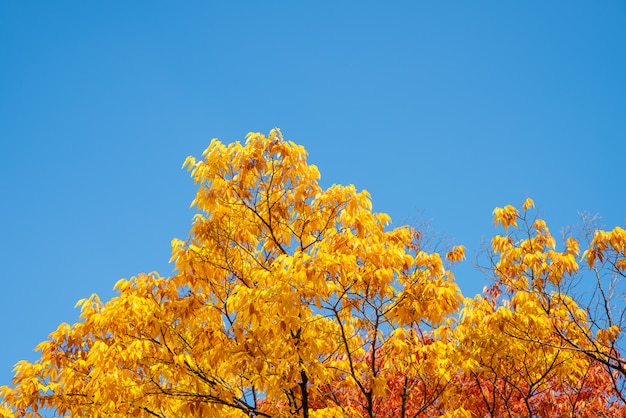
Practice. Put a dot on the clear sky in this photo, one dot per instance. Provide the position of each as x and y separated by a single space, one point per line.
442 110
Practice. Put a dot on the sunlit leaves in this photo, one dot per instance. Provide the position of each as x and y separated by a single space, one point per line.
289 299
528 204
506 216
608 244
456 254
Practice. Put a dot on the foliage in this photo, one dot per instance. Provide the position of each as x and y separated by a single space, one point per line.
290 299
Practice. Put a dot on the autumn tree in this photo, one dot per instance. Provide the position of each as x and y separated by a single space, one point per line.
289 299
281 287
518 347
534 346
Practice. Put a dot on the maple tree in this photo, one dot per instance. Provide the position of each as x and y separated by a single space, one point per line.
291 299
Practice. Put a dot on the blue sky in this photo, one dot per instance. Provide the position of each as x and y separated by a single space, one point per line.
442 110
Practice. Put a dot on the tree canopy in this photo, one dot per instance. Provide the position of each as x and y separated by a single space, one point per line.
289 299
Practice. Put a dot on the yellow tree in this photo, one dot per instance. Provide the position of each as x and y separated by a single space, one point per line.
528 347
281 288
606 262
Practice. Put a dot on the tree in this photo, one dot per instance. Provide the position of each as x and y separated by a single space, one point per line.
293 300
532 346
281 287
517 349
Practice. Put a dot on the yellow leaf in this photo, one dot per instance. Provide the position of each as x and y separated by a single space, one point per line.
528 204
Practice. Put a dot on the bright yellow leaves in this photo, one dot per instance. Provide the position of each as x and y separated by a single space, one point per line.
605 244
608 336
532 260
293 300
456 254
506 216
528 204
539 317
